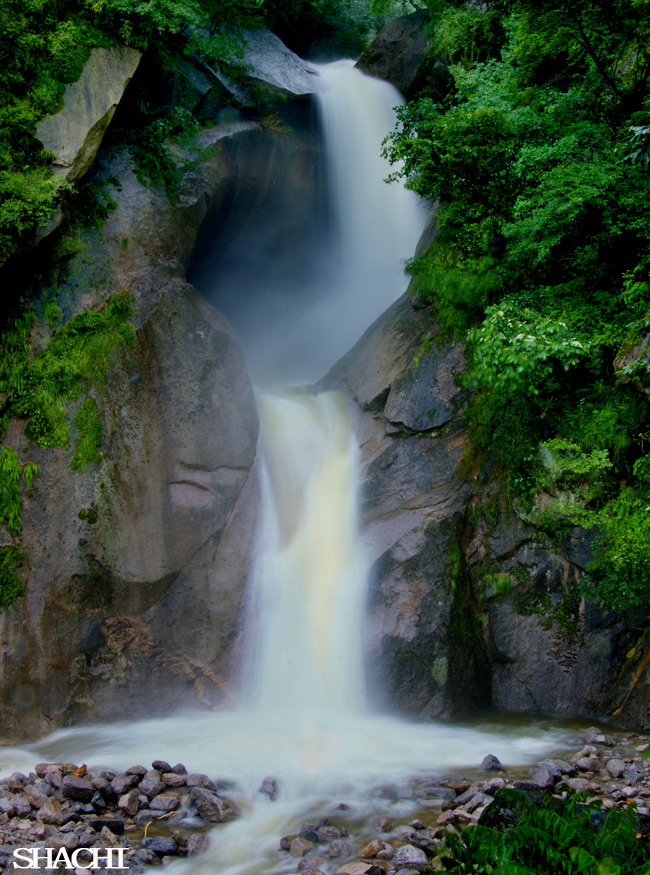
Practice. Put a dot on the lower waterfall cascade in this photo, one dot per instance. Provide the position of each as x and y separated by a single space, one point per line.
304 718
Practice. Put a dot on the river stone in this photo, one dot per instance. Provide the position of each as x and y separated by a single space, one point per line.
490 763
269 787
338 848
129 802
197 843
165 802
16 781
311 863
410 857
160 845
372 848
545 776
615 767
78 789
52 812
360 868
160 766
171 779
199 780
75 132
579 784
633 774
122 784
213 808
150 785
300 846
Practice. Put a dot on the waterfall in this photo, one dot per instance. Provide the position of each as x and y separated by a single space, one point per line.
311 569
305 719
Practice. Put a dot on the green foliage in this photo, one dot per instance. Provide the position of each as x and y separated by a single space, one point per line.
44 45
538 155
77 355
153 160
11 586
621 568
89 428
565 838
11 473
515 352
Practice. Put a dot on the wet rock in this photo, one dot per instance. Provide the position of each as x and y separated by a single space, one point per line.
138 771
165 802
338 848
579 784
616 767
75 132
161 766
328 833
490 763
398 53
381 824
562 765
545 776
587 764
494 784
213 808
130 802
479 800
269 787
114 824
197 843
16 781
199 780
386 853
53 813
417 824
285 841
121 784
300 846
633 774
311 863
360 868
150 785
310 834
372 849
410 857
160 845
78 789
171 779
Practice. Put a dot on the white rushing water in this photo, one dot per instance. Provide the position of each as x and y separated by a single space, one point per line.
293 327
306 720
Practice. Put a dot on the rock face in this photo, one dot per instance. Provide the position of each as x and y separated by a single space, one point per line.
415 501
399 53
467 600
75 133
137 566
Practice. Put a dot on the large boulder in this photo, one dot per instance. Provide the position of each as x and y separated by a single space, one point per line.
398 53
426 652
137 567
75 133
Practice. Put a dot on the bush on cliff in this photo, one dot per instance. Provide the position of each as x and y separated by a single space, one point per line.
542 258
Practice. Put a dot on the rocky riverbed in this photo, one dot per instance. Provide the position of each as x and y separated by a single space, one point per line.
163 812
